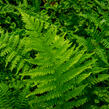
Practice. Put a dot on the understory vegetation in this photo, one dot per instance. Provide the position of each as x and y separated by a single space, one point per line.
54 54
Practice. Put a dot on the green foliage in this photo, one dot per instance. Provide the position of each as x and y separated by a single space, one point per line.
58 62
86 21
10 98
14 52
54 54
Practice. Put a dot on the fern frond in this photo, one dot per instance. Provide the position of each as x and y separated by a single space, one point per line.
97 70
76 103
58 66
4 98
32 24
100 78
105 43
8 98
102 54
12 50
75 92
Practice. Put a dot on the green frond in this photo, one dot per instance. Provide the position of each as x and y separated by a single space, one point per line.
4 97
8 98
100 78
5 51
105 43
20 65
76 103
82 77
12 49
102 54
15 62
59 66
32 24
75 92
97 70
10 57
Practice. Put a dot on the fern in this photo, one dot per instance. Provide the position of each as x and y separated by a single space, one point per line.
58 65
105 43
13 49
91 44
4 98
51 58
12 99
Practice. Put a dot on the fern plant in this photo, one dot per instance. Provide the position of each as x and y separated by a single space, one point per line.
11 97
61 71
14 52
51 58
89 21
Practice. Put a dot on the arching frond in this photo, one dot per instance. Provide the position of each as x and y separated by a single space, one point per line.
12 49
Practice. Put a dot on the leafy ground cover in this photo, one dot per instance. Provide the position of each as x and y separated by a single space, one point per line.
54 54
